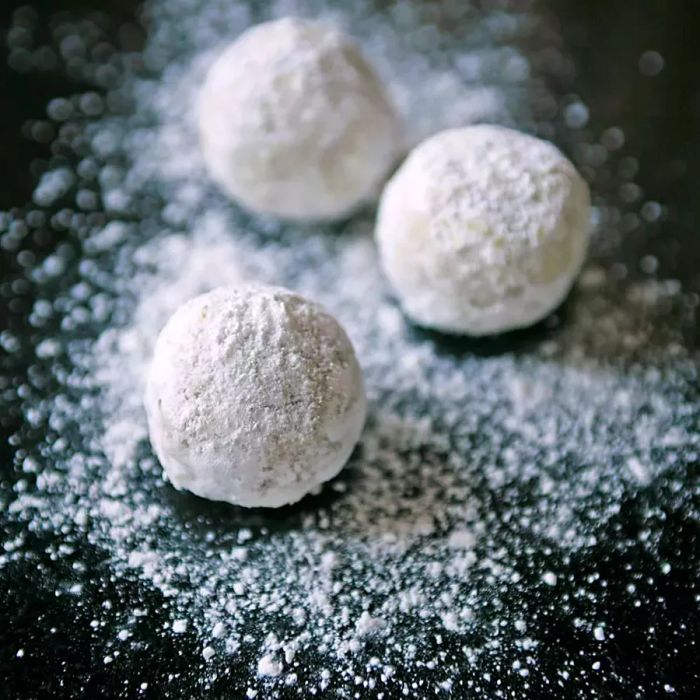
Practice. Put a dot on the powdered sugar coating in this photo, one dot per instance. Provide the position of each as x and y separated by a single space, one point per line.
294 122
254 396
483 230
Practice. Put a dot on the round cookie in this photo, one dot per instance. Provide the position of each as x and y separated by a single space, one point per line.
482 230
295 123
254 396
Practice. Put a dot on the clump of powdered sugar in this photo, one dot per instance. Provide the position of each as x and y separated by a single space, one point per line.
420 569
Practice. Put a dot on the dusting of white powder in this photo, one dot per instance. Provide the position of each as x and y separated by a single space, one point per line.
482 470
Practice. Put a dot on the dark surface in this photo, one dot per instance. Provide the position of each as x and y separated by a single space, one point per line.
661 120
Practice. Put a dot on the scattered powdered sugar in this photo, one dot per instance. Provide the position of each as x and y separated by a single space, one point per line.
485 467
179 626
